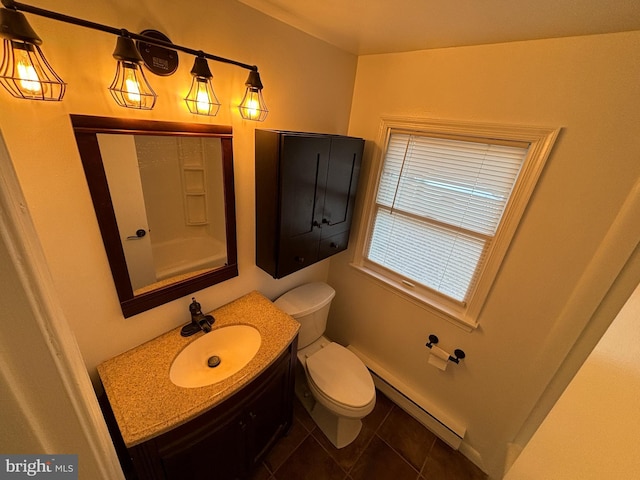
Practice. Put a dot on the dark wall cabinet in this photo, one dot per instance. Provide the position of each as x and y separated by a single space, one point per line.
228 441
305 194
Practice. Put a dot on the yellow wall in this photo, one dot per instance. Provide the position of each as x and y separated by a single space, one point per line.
308 86
586 85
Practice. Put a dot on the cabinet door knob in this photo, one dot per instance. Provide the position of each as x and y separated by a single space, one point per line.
325 221
315 223
333 245
252 415
299 259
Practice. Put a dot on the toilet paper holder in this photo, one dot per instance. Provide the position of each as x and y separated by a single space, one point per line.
457 353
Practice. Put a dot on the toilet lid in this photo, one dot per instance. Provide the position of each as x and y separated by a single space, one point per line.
341 375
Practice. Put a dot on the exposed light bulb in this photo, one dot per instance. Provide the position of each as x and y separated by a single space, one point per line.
253 109
29 80
24 71
203 101
201 98
252 106
132 88
129 87
29 75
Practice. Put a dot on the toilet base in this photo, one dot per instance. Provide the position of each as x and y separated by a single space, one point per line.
340 431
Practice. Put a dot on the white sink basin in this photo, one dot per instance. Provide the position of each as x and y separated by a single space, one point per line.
227 348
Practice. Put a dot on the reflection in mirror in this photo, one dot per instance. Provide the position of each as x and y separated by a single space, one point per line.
163 195
168 197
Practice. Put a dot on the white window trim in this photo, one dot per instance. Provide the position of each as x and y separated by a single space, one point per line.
541 140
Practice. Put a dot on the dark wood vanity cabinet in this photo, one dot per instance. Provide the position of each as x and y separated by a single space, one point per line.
305 194
228 441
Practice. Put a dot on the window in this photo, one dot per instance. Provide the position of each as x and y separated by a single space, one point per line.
445 204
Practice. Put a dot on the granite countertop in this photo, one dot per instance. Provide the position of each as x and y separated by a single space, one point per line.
144 400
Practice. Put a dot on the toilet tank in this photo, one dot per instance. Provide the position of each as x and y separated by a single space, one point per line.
309 304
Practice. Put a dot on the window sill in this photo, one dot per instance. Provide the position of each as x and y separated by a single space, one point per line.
442 311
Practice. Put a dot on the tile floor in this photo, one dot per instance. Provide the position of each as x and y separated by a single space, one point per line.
391 446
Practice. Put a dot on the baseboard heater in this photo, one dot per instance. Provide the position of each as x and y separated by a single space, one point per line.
446 428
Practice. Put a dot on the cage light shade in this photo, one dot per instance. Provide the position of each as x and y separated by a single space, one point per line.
253 106
201 98
25 72
130 88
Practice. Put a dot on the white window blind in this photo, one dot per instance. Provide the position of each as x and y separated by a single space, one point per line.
438 206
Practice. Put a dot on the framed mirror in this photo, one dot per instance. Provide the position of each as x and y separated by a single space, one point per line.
163 193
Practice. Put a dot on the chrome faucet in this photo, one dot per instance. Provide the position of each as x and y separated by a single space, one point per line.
199 321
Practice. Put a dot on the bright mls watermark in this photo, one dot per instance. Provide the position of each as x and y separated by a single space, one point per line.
49 467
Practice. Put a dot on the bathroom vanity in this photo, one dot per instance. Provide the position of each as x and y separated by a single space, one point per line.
216 431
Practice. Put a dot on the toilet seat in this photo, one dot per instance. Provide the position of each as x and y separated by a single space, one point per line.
341 377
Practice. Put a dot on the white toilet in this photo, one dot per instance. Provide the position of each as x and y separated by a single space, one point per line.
333 384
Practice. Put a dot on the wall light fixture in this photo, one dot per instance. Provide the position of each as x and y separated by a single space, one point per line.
252 106
201 98
130 87
25 72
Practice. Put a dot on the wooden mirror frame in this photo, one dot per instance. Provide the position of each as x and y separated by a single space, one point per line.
86 129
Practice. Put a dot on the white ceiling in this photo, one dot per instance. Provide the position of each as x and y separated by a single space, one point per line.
383 26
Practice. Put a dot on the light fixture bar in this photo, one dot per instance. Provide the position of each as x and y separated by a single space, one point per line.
119 31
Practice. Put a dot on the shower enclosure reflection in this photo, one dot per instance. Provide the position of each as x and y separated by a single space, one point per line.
163 195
